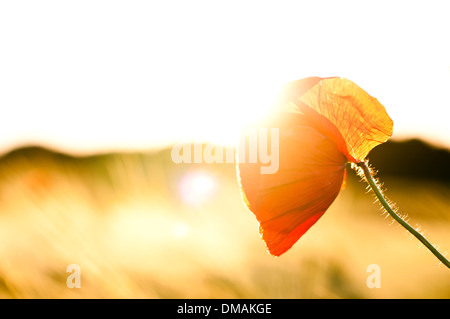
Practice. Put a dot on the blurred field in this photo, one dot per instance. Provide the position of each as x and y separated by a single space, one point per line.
140 226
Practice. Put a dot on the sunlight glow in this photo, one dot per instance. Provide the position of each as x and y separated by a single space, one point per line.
197 187
180 230
149 74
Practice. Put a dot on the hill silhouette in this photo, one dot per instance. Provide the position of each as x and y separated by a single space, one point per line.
413 159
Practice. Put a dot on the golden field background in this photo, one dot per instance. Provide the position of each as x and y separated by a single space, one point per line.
138 228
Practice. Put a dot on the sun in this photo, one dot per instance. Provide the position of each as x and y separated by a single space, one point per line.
225 109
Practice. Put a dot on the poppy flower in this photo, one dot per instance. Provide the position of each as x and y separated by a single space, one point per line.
323 123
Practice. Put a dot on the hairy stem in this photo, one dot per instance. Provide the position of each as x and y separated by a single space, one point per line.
387 206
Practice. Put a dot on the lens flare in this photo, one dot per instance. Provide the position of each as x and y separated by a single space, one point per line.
197 187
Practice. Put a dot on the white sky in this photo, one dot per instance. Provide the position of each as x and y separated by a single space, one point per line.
88 76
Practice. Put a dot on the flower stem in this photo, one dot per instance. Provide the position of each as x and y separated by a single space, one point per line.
373 184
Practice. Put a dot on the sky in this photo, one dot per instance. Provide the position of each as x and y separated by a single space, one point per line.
92 76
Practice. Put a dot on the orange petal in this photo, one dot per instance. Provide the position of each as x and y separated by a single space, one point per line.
289 202
249 174
360 119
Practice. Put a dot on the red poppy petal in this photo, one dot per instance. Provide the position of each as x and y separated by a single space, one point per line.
361 120
289 202
249 174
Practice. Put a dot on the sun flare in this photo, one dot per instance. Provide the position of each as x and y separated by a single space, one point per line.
197 187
